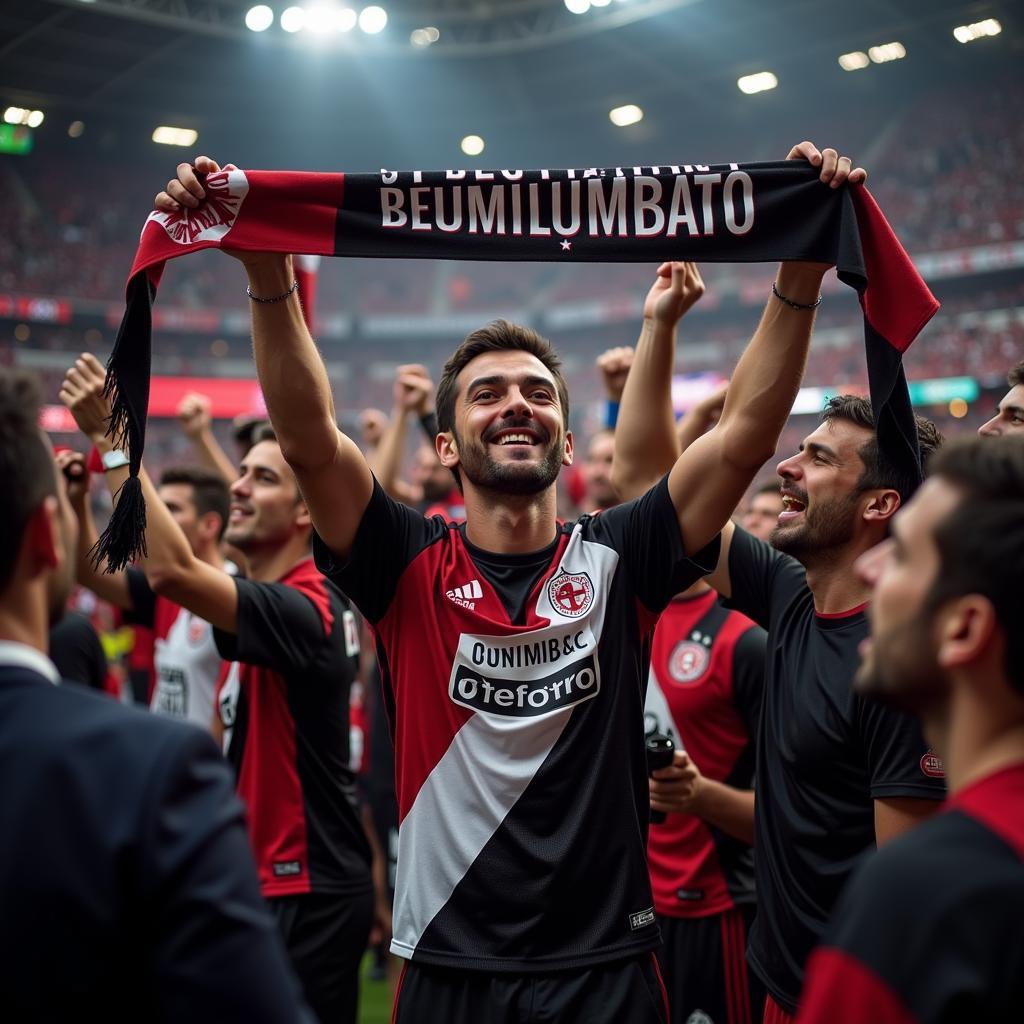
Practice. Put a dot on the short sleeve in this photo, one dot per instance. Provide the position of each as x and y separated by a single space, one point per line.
645 532
748 662
898 758
279 628
390 536
143 609
761 578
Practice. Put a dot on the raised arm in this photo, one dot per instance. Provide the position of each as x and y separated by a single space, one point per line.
109 586
413 390
197 425
646 446
167 560
710 477
333 476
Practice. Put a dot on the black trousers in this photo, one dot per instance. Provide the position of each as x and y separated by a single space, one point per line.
704 963
623 992
326 937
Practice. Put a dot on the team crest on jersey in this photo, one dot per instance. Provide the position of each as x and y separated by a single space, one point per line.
932 766
196 631
225 192
571 594
688 662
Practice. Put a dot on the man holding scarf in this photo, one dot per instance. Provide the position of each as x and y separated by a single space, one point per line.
513 646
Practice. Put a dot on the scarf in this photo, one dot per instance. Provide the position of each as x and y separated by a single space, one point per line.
727 213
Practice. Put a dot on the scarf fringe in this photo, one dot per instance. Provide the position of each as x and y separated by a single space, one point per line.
125 535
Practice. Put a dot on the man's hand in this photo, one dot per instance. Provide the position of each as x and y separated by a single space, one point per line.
675 290
194 414
185 191
413 389
677 788
835 169
82 393
614 364
372 424
76 476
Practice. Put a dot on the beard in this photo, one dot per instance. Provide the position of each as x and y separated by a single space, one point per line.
900 668
520 478
828 525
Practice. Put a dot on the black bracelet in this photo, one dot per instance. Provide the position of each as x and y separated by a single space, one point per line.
795 305
276 298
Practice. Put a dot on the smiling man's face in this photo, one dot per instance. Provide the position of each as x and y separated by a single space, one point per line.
509 430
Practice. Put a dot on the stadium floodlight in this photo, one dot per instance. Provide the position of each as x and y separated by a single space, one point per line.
977 30
472 145
345 19
577 6
320 19
372 20
293 19
625 115
886 52
259 18
854 61
759 82
424 36
22 115
169 136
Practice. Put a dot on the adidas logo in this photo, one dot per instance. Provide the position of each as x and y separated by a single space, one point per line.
466 595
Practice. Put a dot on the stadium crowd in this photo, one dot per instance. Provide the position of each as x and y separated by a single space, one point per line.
675 731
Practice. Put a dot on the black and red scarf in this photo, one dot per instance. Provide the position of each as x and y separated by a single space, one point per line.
726 213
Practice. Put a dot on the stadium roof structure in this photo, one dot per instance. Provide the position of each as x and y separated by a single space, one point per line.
534 80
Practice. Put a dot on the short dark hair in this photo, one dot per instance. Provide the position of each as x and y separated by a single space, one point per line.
498 336
245 431
879 470
1016 375
981 542
26 464
210 491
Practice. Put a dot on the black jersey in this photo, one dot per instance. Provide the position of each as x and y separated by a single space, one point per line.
284 706
823 756
515 689
929 930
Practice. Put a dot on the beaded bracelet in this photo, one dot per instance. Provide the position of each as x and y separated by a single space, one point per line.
795 305
276 298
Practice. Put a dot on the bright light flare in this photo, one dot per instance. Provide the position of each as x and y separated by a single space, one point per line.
625 115
293 19
373 20
854 61
977 30
760 82
886 52
167 135
472 145
259 18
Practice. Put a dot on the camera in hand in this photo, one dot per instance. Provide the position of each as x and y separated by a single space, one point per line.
660 751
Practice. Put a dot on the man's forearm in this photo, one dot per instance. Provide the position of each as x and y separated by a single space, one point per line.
645 440
728 809
387 458
212 456
767 377
291 372
112 587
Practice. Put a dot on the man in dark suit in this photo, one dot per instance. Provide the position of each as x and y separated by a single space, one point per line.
127 887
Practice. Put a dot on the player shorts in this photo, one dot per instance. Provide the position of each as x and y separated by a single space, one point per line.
622 992
704 964
326 935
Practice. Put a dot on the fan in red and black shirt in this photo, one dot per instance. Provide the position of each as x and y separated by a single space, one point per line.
835 774
706 683
929 930
284 706
563 611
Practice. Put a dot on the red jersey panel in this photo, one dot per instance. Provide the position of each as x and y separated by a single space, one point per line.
707 678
